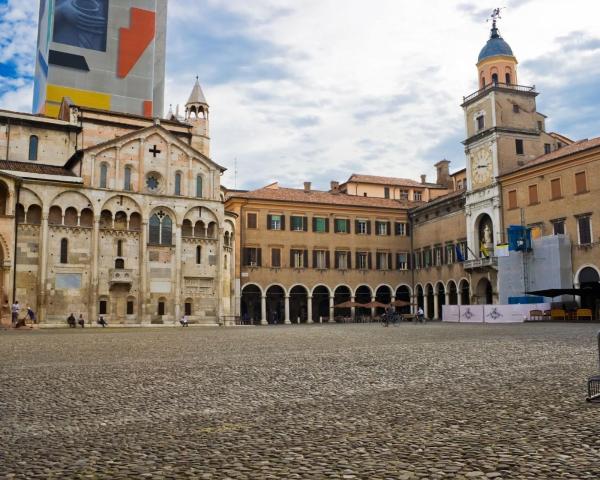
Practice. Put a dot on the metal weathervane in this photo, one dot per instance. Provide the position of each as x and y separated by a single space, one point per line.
496 15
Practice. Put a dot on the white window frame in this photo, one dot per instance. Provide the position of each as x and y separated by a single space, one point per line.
589 217
276 222
403 265
342 260
363 261
362 227
382 228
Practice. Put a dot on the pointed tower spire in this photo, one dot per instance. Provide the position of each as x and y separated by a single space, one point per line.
196 114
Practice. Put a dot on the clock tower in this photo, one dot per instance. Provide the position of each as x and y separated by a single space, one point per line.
504 131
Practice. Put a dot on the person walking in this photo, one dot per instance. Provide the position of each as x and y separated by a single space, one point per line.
15 309
71 321
80 321
30 314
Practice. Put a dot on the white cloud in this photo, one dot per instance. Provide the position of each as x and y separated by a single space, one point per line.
317 89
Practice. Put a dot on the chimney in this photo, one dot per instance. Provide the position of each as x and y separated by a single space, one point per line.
307 187
335 186
443 173
423 179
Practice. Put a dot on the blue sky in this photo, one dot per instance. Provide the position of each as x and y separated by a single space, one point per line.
319 89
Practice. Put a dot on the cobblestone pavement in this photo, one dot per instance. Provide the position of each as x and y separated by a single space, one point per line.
341 401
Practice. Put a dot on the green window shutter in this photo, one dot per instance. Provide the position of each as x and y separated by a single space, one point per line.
259 257
305 224
314 255
283 222
390 267
305 259
389 228
327 259
356 227
326 225
314 224
368 227
292 258
370 261
268 222
349 260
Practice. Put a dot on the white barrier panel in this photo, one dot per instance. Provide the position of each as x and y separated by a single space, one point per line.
471 314
451 313
491 313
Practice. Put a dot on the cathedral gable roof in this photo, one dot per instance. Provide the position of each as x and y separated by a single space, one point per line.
144 132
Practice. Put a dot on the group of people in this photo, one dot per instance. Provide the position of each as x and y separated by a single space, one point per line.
16 309
72 322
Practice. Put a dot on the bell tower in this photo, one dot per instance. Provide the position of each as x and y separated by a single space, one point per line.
196 114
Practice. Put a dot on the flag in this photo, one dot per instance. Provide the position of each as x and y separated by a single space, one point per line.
459 254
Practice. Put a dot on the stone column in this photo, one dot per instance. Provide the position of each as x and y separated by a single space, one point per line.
178 273
373 308
331 311
426 305
309 312
43 262
353 309
94 282
436 306
286 318
263 310
458 296
143 291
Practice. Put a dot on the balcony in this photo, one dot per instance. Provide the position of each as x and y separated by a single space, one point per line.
120 276
499 86
481 263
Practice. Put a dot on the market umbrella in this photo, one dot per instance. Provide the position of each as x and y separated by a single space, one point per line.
349 304
375 305
402 303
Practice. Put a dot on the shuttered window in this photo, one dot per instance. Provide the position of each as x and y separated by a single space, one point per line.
252 220
533 194
276 258
580 182
555 188
512 199
320 225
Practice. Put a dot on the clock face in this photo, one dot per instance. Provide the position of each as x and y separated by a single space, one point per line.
481 166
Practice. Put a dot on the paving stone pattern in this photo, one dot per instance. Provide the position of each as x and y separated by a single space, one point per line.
312 402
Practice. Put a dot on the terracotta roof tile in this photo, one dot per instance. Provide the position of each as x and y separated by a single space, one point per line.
576 147
34 167
322 198
400 182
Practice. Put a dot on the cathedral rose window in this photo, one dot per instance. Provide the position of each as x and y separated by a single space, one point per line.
152 182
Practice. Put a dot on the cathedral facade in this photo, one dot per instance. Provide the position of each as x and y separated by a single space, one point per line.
114 215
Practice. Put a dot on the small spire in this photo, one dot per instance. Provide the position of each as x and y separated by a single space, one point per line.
197 95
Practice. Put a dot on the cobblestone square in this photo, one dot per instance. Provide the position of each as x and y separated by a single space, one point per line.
333 401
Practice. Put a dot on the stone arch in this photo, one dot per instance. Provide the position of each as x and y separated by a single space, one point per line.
28 197
588 278
275 296
71 217
342 293
250 303
203 214
429 301
55 215
4 198
320 302
71 198
452 290
383 294
187 229
586 273
120 220
6 253
404 293
20 214
86 218
298 298
363 294
123 203
420 296
34 215
440 292
484 292
464 291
